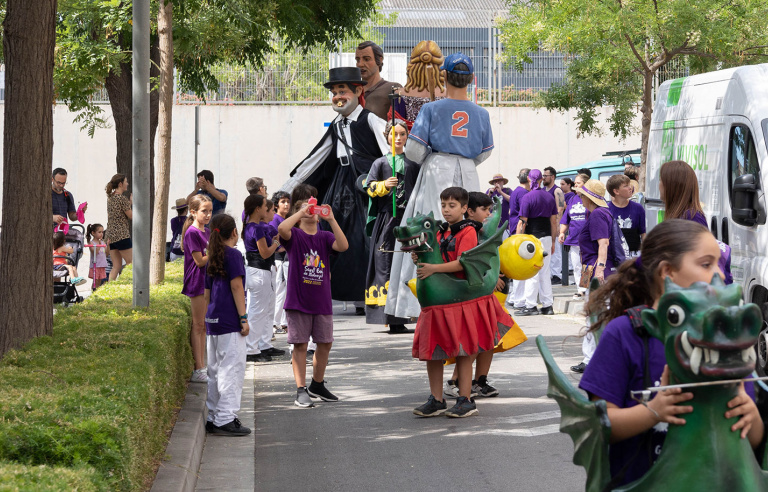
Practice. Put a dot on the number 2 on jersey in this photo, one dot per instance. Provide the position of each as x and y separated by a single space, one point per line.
461 119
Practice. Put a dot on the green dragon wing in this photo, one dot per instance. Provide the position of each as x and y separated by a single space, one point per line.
481 259
584 420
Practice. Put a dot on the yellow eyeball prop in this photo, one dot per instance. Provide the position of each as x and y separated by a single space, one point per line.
521 256
412 286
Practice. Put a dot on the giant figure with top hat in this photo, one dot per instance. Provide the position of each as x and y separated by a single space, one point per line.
354 139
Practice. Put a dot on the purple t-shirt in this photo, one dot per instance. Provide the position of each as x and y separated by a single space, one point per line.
575 217
631 220
514 207
194 276
696 217
309 277
222 317
598 226
491 192
276 221
538 207
255 231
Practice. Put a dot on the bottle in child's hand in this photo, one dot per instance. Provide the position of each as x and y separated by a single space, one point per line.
315 209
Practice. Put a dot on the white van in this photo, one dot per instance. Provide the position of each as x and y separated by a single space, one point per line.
718 123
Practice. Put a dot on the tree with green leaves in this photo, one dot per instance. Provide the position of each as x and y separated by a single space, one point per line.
616 47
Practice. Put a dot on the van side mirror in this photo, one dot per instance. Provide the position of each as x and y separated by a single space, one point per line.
744 200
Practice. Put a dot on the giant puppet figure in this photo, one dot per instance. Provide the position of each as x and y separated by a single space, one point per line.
355 138
450 138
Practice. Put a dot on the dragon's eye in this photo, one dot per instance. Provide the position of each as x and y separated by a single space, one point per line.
526 250
675 315
427 225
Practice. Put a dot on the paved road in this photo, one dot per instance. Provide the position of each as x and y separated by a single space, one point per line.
371 441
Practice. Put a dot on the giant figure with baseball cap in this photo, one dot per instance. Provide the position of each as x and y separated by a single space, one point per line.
354 139
449 138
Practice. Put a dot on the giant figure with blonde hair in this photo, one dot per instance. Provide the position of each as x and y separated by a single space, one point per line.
426 82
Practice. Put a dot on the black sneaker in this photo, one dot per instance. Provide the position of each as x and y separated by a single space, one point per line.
534 311
318 390
302 398
547 311
556 280
359 311
273 352
482 388
233 429
209 427
432 408
262 357
464 407
579 368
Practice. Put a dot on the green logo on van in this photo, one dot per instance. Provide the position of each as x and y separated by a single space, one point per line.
668 141
675 88
695 155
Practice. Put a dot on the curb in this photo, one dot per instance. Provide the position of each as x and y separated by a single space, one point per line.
178 470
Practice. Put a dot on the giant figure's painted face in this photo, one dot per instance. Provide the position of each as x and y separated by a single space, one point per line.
344 98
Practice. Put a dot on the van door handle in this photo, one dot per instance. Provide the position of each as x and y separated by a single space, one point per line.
724 228
713 226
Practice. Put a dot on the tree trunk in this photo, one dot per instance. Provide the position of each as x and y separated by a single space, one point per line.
163 177
119 87
645 122
26 266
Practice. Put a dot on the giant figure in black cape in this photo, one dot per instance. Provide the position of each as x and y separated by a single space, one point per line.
355 138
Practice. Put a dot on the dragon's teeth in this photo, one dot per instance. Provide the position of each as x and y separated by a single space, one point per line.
748 354
714 356
686 344
696 360
706 355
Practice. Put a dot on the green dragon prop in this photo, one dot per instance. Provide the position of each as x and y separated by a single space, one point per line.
707 336
481 263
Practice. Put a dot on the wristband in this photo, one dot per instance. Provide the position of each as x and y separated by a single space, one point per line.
244 316
601 265
243 321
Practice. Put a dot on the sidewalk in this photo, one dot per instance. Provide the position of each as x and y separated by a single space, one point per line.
370 440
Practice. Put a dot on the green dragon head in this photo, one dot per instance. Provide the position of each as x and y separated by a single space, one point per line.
707 333
419 234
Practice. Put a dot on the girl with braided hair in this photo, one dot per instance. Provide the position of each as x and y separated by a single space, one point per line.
425 82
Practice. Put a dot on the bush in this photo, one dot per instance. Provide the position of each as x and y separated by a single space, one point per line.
100 395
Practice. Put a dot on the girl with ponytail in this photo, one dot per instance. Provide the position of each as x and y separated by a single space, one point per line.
628 359
195 243
226 327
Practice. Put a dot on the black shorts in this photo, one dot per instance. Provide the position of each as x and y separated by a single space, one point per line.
122 244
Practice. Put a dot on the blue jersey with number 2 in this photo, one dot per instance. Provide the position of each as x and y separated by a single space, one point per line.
454 127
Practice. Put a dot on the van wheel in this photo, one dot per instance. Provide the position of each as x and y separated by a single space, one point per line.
762 344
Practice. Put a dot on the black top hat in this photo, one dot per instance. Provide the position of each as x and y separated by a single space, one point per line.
344 75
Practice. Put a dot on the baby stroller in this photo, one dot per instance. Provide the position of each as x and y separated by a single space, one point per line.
63 290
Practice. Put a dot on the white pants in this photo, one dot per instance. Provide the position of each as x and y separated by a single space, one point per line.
280 281
226 372
516 295
574 256
261 306
541 285
588 347
556 263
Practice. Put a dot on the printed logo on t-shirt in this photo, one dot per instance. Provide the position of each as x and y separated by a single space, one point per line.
313 268
624 223
578 209
211 320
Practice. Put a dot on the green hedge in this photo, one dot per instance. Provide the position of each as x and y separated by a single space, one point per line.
98 398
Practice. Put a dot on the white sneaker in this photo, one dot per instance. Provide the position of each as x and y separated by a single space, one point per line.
451 389
199 376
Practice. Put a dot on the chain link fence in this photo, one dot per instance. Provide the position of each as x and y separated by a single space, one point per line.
297 77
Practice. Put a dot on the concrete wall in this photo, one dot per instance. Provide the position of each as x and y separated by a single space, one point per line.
237 142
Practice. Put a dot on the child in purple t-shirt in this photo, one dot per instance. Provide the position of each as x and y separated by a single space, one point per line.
260 242
226 326
618 366
308 296
194 244
630 215
282 201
